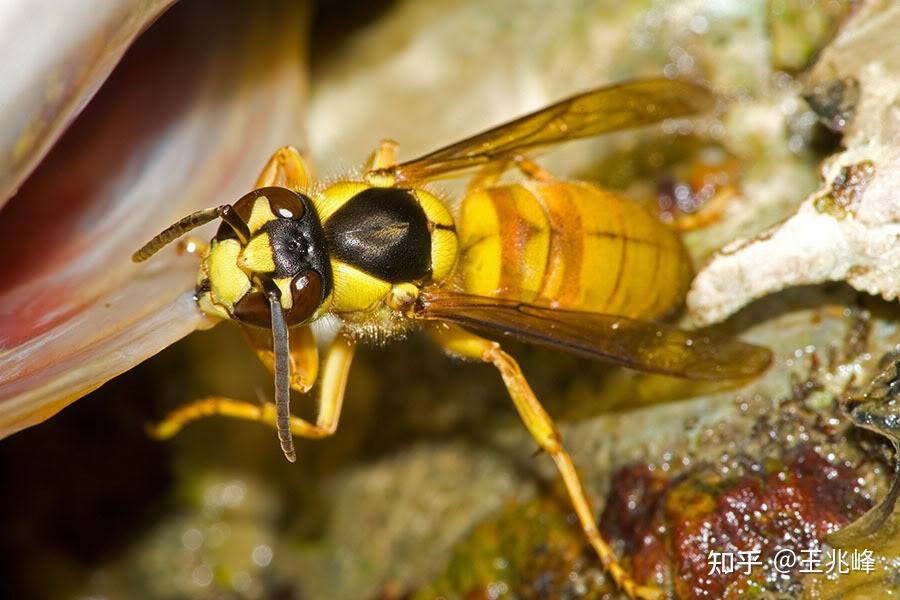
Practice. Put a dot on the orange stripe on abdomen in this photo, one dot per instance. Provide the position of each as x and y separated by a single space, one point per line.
570 245
562 279
517 240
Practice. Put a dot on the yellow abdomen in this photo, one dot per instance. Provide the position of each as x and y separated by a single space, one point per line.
570 245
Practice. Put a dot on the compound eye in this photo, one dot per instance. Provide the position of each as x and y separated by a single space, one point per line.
253 309
306 295
285 203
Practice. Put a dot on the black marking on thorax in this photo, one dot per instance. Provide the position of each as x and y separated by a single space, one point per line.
384 232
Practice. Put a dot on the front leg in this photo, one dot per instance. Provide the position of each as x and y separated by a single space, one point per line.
331 397
304 354
286 168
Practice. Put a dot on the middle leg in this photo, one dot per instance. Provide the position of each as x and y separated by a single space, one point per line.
384 156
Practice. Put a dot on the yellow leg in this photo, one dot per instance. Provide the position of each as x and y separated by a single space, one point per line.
384 156
491 173
304 355
532 170
331 397
540 425
286 168
487 176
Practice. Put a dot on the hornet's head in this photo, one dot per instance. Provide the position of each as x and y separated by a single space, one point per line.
270 245
270 241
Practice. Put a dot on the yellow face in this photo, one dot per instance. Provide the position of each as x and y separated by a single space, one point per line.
227 282
278 243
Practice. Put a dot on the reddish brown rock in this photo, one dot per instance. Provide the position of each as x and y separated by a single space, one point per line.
669 527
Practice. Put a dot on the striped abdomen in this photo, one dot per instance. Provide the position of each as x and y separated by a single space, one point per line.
570 245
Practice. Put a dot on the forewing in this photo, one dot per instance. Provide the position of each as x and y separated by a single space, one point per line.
639 345
603 110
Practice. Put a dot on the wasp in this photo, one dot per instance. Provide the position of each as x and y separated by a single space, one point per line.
561 264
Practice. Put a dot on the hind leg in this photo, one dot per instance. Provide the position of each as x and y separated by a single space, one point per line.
462 343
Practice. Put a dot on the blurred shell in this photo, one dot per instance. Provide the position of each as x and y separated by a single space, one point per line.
59 62
186 121
848 229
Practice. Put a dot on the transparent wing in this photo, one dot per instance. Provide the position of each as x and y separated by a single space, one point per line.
639 345
603 110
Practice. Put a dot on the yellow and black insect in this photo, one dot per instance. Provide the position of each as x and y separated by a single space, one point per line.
562 264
